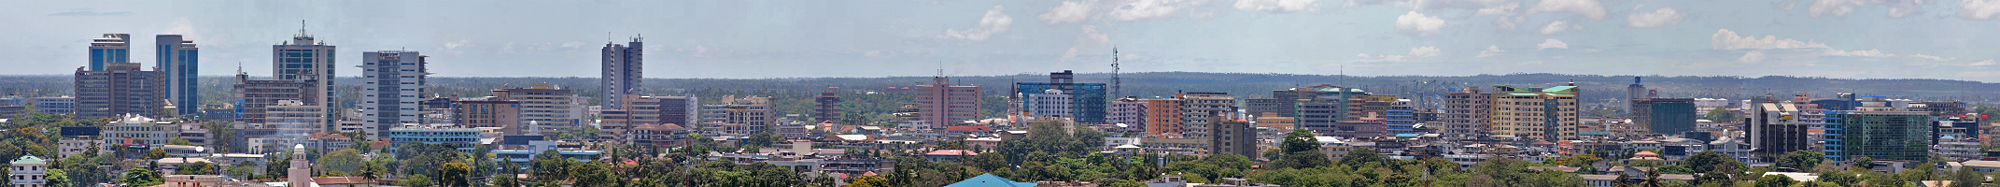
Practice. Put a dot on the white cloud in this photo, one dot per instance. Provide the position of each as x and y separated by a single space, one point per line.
1498 9
1417 23
1657 18
1752 56
1280 6
996 21
1415 53
1858 53
1142 9
1726 39
1987 62
1833 7
1465 4
1979 9
1069 11
1586 8
1897 8
1929 57
1508 22
1491 51
1559 26
1090 39
1552 43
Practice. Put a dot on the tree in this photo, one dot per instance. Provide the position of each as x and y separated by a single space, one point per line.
418 180
344 160
593 174
1775 181
550 167
1800 160
1966 177
197 168
455 174
1841 178
156 154
56 178
141 177
1301 150
869 181
179 141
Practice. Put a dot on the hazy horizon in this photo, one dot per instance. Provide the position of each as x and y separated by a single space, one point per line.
836 39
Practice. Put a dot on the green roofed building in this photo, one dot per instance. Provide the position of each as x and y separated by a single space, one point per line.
27 171
1534 113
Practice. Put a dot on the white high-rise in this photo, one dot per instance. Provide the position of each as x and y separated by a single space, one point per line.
306 60
389 95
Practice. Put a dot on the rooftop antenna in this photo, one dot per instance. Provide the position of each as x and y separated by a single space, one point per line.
302 27
1114 73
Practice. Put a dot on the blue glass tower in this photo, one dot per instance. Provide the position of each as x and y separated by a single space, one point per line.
180 59
1087 99
109 49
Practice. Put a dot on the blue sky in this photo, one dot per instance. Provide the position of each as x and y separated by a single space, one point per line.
1948 39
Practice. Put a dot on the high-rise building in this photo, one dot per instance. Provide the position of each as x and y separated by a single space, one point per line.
941 104
1634 92
739 116
489 112
1776 129
1272 106
1879 135
1534 113
55 104
550 108
1230 136
1321 108
623 70
1401 118
828 105
1051 103
1199 108
121 88
638 111
679 110
392 82
1163 118
1129 111
305 60
181 60
1664 115
294 118
252 96
1467 114
110 49
1087 99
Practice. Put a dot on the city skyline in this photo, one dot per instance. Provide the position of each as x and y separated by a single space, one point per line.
1936 40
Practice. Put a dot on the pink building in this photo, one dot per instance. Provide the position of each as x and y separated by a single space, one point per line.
941 104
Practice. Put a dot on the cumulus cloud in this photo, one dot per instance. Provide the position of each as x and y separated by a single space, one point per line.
1280 6
1858 53
1498 9
1987 62
1726 39
1415 53
86 12
1417 23
1491 51
1930 57
1142 9
1897 8
1559 26
1979 9
1657 18
1832 7
1586 8
996 21
1752 56
1552 43
1069 11
1090 39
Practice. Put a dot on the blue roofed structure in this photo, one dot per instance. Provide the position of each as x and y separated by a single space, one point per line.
989 180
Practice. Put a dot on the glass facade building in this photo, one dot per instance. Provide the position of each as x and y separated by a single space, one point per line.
1879 135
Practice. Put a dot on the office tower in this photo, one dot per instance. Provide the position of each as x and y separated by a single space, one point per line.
1879 135
110 49
1467 114
1534 113
1634 92
293 118
121 88
1087 99
1265 105
739 116
1163 118
55 104
1129 111
1199 108
252 96
392 81
1051 104
623 70
1664 115
679 110
1230 136
550 108
941 104
828 105
1366 126
181 61
638 111
1954 128
1940 109
1321 108
1775 129
489 112
305 60
1401 118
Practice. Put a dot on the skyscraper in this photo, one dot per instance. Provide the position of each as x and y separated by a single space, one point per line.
1634 92
1776 129
1087 99
1664 115
1880 135
303 59
1534 113
940 104
623 71
1466 114
1199 110
828 108
547 106
119 89
181 61
109 49
393 80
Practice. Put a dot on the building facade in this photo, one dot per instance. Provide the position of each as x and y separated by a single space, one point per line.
1163 118
251 97
1050 104
121 88
1664 115
1775 129
1087 99
1129 111
304 60
1198 110
827 106
941 104
55 104
1534 114
1879 135
550 108
110 49
739 116
488 112
1229 136
180 58
393 80
623 70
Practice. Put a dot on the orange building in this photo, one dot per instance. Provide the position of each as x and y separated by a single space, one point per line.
1163 117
